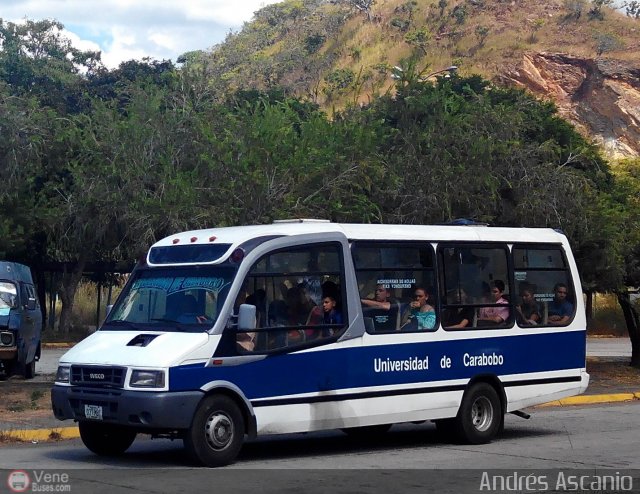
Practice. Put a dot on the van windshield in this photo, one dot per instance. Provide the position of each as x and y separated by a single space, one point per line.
8 297
172 299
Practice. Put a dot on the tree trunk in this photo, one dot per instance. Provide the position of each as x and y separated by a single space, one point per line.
41 285
589 308
632 318
67 290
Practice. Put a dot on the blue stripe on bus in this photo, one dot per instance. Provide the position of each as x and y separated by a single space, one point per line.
391 365
399 392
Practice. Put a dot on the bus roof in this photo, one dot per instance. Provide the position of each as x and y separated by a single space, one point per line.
239 234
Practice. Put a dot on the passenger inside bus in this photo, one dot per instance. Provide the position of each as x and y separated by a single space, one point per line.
420 314
491 316
188 312
457 317
560 309
384 311
528 312
331 314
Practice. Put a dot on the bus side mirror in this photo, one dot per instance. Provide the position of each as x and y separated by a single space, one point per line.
247 317
31 303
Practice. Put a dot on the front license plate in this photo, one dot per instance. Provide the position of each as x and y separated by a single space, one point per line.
93 412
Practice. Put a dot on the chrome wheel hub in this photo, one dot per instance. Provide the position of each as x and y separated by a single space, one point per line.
482 414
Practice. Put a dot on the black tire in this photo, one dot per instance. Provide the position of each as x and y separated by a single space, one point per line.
8 366
217 431
106 439
367 431
480 415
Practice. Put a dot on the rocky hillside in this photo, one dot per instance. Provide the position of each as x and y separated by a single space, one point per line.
585 58
600 96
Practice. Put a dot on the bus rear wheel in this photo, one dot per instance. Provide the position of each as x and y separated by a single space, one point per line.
106 439
216 433
480 415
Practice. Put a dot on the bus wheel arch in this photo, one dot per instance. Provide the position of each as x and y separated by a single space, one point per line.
481 414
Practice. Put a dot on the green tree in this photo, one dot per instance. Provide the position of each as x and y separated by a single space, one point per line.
597 9
419 38
481 33
626 205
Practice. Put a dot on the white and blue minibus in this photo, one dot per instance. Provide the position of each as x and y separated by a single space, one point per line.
225 334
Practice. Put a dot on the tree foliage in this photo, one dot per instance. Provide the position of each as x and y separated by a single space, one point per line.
109 161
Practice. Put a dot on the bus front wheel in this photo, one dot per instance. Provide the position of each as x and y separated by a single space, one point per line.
480 415
106 439
216 433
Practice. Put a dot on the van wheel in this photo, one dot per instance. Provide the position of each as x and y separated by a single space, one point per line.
216 433
8 366
106 439
480 415
367 431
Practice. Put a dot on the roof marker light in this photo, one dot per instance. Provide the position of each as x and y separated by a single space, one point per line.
193 239
212 238
237 255
176 240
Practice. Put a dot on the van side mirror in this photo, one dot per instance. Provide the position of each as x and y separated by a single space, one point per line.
247 317
31 303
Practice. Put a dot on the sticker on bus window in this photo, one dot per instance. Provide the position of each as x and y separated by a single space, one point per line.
173 285
520 275
543 297
397 283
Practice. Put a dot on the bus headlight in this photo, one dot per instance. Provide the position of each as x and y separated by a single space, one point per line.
62 376
146 378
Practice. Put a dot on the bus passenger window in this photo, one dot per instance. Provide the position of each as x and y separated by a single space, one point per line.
475 287
288 288
389 275
545 285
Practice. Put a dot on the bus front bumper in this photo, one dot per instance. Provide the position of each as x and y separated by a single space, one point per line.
141 409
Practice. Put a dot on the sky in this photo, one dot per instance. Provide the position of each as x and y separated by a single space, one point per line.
134 29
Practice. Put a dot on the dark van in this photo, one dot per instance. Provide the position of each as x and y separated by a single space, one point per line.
20 320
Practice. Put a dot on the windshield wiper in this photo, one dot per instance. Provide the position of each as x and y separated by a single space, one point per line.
121 322
164 319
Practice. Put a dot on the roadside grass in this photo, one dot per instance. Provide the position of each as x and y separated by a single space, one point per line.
608 319
86 314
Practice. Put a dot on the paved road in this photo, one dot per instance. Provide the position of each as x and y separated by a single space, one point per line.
592 437
608 347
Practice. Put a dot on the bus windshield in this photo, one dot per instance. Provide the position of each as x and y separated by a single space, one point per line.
172 299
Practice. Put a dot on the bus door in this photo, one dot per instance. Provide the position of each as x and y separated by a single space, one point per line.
303 289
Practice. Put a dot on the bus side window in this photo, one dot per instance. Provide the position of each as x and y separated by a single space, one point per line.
287 287
475 286
545 285
388 273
